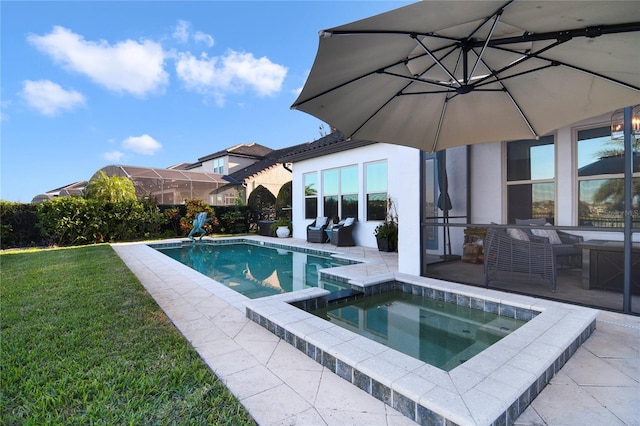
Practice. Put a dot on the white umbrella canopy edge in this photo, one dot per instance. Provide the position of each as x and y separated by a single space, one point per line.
359 81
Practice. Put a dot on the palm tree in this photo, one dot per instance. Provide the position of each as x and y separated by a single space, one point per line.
114 188
612 191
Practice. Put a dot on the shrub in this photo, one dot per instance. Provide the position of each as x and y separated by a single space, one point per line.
18 225
76 221
234 219
283 200
195 206
261 201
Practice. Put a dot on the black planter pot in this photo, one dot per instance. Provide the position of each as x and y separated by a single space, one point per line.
383 244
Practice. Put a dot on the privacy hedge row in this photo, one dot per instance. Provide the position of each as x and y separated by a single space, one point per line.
69 221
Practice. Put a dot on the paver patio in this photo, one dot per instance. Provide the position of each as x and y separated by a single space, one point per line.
280 385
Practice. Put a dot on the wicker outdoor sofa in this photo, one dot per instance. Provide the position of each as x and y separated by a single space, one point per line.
520 255
507 259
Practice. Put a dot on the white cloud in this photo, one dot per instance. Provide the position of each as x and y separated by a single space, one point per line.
233 72
50 98
181 32
205 38
114 156
144 144
127 66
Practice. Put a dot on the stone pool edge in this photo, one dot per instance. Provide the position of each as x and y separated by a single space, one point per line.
494 387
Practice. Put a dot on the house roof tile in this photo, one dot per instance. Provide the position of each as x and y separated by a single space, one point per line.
330 144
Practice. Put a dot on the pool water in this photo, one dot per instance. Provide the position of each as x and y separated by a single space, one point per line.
442 334
254 270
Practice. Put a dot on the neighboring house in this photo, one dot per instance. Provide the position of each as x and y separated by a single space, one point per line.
219 179
245 168
168 186
490 182
76 188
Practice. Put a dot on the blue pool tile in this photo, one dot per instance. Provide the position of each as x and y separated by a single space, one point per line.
381 392
428 417
344 370
405 405
507 311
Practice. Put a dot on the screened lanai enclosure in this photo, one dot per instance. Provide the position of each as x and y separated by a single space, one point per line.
169 186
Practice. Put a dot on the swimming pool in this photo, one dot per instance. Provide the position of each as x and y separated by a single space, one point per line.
256 270
442 334
493 387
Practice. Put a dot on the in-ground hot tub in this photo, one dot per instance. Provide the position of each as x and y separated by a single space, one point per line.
493 387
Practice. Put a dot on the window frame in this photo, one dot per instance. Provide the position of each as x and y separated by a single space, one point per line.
218 165
338 196
577 179
307 198
521 182
376 192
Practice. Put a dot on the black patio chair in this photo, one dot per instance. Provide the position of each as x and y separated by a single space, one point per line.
342 233
316 231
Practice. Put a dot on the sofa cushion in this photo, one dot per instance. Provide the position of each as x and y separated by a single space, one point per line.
349 221
321 221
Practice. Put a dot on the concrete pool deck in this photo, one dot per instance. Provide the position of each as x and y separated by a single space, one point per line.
280 385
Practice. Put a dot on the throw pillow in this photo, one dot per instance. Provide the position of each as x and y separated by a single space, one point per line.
348 221
517 234
551 234
321 221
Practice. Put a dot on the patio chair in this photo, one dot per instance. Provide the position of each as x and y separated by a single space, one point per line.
567 255
517 257
342 233
315 231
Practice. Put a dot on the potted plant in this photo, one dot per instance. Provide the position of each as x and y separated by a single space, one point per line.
387 232
282 227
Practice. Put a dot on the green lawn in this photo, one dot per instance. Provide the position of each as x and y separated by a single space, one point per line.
83 343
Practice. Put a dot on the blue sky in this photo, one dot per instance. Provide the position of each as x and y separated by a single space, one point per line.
152 83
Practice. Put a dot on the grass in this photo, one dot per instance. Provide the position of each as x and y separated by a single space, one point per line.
84 343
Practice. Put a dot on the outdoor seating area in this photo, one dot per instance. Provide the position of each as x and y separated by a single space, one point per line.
514 257
340 234
529 253
567 254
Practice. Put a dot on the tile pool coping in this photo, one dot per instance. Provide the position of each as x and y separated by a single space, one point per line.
494 387
250 241
491 388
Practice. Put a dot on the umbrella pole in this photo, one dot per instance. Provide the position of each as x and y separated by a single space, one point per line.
628 209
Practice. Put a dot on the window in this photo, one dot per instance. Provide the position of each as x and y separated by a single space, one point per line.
218 166
376 190
310 195
531 179
601 179
340 192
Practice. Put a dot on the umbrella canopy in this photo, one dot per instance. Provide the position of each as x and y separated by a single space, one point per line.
439 74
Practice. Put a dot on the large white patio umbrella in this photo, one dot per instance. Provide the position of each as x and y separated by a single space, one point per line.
438 74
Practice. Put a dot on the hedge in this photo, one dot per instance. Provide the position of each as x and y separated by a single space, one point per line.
69 221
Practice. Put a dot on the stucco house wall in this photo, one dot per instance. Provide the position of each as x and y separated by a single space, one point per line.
403 171
488 181
272 178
